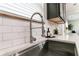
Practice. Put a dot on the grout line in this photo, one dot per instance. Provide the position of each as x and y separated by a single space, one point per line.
2 24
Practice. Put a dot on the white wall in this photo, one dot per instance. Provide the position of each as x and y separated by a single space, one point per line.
60 27
24 9
72 11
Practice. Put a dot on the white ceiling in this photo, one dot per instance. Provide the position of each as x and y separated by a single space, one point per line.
72 11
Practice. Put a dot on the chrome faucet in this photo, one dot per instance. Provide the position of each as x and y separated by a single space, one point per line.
31 36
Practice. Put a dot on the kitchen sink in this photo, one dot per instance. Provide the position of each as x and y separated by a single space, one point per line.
52 48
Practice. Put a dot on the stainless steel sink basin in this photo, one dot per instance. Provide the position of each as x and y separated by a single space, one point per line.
53 48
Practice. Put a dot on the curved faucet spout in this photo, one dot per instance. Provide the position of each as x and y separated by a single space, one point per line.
31 37
35 14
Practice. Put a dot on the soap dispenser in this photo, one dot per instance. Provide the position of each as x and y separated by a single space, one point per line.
48 33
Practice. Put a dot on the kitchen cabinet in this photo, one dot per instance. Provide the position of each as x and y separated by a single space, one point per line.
68 48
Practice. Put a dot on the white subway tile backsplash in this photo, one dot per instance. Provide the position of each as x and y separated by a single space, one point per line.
1 29
18 42
27 36
6 29
13 36
34 25
27 29
14 22
18 29
14 31
8 36
35 32
1 20
5 44
0 36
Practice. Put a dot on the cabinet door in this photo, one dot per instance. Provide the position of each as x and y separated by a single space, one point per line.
61 46
53 10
